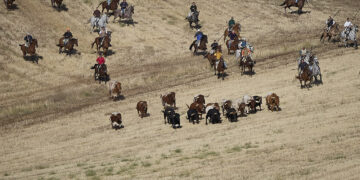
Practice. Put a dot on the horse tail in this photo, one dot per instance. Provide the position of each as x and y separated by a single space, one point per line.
283 3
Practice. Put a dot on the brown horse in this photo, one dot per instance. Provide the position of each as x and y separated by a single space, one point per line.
220 68
57 2
246 61
236 28
233 46
212 58
305 76
290 3
69 46
9 3
105 45
202 46
113 6
29 50
333 32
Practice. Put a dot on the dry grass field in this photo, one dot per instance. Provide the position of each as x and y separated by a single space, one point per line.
54 118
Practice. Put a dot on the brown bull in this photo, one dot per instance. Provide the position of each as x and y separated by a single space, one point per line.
168 99
114 89
273 102
116 121
226 105
200 108
141 108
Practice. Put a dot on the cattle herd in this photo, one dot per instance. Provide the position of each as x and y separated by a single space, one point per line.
231 109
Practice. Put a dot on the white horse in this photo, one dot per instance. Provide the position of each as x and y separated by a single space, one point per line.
315 69
350 36
99 22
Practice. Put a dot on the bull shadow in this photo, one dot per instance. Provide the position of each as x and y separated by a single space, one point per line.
61 8
121 97
242 115
249 73
300 13
71 52
33 59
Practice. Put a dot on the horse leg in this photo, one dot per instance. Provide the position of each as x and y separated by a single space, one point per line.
60 50
223 75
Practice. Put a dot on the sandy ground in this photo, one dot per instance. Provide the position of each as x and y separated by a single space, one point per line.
55 118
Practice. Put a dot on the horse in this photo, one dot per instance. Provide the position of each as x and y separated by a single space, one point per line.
236 28
193 18
203 42
9 3
315 68
99 22
333 32
29 50
211 57
113 6
290 3
69 46
305 76
57 2
350 36
101 73
233 46
246 61
220 68
105 44
129 11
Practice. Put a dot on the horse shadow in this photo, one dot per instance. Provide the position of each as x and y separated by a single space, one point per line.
200 53
109 53
33 58
72 52
146 115
225 75
198 26
242 115
299 13
249 73
61 8
128 22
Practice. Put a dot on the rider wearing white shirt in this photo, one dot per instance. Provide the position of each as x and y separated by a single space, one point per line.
347 23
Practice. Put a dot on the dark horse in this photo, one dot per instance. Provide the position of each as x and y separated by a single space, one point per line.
220 69
69 46
9 3
31 49
246 61
305 76
194 18
113 6
212 58
105 44
58 3
100 73
290 3
202 46
233 46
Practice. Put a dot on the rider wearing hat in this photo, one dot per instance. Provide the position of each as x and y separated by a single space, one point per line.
214 46
198 36
123 6
231 23
67 36
100 62
330 22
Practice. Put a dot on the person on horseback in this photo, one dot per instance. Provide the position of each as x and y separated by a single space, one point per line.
330 22
231 23
303 52
214 46
348 25
219 56
100 62
302 66
123 6
243 43
97 13
102 34
28 39
193 10
232 36
198 36
67 36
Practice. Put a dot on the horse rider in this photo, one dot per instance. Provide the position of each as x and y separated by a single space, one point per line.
100 62
108 3
28 39
214 46
231 23
296 2
232 36
123 6
97 13
330 22
242 44
67 36
198 36
102 35
219 56
348 25
302 66
303 52
193 9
